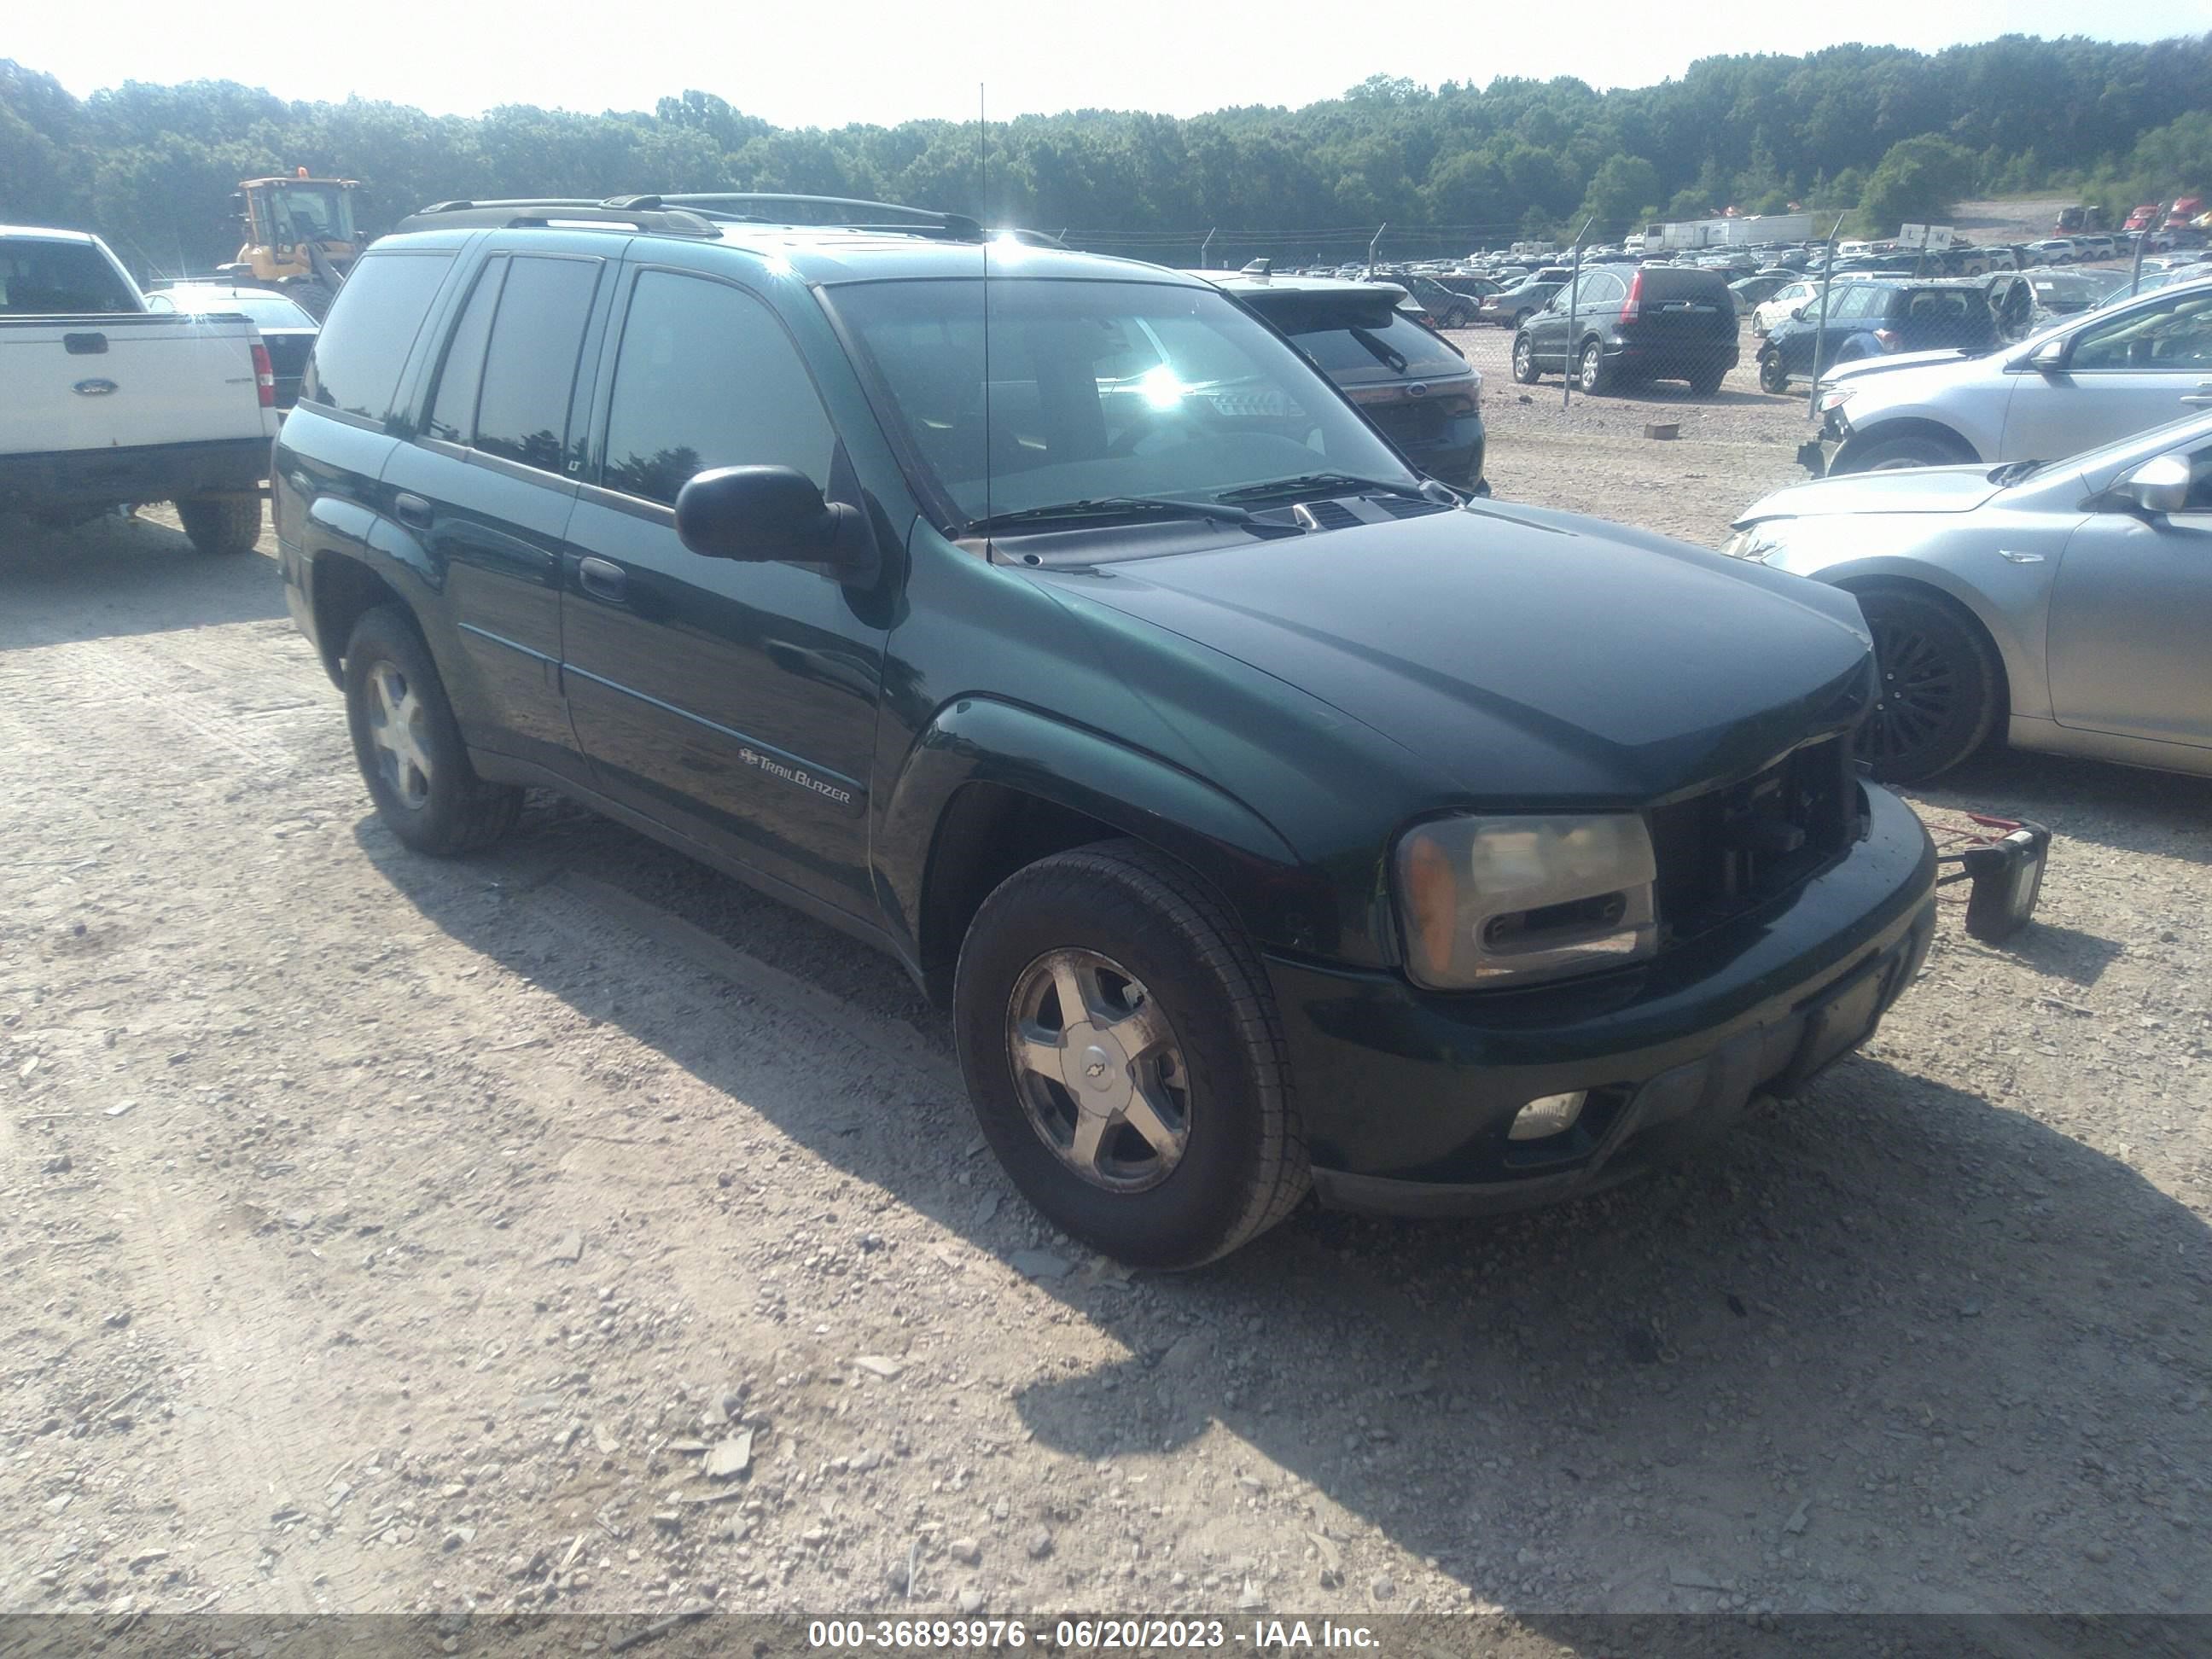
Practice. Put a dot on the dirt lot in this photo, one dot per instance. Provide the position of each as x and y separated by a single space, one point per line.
383 1234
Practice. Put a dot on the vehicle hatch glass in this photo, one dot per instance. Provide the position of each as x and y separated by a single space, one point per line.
55 278
1103 391
1347 340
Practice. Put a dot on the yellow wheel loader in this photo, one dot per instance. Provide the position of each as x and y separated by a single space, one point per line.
300 238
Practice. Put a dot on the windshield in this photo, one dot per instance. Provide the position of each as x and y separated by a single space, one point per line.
55 278
310 213
1100 390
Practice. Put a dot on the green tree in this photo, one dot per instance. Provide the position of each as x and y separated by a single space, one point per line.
1618 194
1917 182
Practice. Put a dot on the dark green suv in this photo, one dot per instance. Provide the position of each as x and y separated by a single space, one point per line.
1265 817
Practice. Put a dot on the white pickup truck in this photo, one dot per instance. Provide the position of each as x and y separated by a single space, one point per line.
108 404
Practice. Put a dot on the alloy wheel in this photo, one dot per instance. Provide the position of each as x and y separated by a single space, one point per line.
1099 1070
398 732
1919 697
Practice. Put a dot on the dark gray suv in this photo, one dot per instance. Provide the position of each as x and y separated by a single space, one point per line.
1613 324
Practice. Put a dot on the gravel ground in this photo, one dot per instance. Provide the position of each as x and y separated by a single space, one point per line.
570 1228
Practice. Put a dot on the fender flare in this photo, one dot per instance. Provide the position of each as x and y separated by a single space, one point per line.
985 740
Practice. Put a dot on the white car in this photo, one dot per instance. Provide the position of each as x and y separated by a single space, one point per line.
2091 379
1805 291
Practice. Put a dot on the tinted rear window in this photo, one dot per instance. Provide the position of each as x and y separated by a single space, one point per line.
370 329
1662 282
1359 337
522 409
54 278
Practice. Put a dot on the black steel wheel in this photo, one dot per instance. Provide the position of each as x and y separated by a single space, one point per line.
1939 694
1772 376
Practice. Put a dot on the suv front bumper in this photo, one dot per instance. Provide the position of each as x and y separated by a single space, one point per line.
1407 1096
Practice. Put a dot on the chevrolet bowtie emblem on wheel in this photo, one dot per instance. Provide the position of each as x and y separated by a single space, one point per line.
1096 1069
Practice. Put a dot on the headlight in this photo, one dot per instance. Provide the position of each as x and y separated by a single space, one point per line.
1757 543
1836 397
1493 900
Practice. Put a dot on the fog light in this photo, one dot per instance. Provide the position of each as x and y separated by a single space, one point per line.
1547 1114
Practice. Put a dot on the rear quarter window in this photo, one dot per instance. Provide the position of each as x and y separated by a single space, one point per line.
370 328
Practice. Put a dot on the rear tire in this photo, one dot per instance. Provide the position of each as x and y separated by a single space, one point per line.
1708 384
1194 1146
1589 370
1940 686
222 525
409 746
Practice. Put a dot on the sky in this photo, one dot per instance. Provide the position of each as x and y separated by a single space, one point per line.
887 61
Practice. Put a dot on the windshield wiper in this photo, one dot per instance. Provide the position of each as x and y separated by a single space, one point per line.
1308 483
1114 506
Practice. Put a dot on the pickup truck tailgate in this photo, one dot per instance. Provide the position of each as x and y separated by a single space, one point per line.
123 380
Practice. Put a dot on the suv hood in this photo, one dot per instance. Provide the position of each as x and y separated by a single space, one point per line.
1537 658
1907 489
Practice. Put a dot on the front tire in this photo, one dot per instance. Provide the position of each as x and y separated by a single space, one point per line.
1524 361
219 525
1772 376
1939 690
1124 1057
409 746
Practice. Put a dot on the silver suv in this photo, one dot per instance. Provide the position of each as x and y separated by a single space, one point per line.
2091 379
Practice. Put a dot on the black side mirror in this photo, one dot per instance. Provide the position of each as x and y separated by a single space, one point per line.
770 515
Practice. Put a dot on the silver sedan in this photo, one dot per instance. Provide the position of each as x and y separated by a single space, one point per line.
2068 604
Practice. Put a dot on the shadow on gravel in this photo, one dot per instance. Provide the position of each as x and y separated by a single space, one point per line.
1888 1347
117 576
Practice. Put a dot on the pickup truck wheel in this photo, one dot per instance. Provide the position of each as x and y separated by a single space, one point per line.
1124 1057
1524 362
408 747
222 524
1938 698
1773 377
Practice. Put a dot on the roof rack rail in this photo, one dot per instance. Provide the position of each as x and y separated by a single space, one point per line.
827 212
632 213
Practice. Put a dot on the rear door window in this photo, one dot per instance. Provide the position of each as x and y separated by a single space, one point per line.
453 409
529 368
365 340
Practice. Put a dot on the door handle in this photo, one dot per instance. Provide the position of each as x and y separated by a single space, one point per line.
411 509
603 579
2201 396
